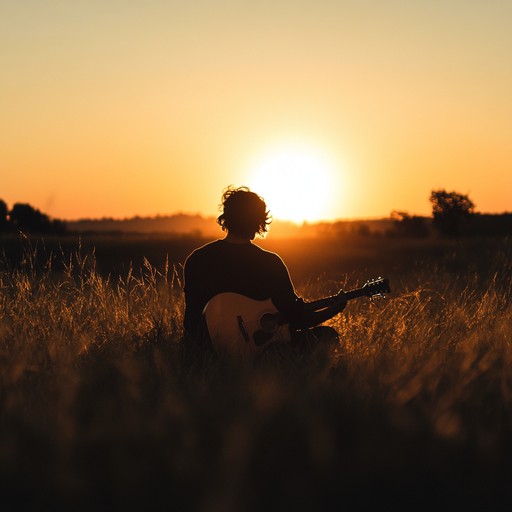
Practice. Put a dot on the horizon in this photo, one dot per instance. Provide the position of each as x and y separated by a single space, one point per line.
276 219
331 110
214 216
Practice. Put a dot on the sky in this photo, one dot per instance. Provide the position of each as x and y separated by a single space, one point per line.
335 108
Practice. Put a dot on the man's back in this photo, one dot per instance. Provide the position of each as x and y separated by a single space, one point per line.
243 268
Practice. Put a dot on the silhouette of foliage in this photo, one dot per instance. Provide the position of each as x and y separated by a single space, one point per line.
409 225
487 224
4 220
27 218
58 226
450 210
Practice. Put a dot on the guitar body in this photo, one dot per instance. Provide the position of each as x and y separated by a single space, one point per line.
243 327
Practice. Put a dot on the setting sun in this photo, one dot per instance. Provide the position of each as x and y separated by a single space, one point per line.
155 107
298 183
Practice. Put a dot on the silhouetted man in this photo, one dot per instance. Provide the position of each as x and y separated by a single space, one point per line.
234 264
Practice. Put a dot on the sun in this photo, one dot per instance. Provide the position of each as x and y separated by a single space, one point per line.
297 182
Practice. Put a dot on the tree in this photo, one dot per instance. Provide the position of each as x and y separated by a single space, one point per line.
26 217
4 221
450 211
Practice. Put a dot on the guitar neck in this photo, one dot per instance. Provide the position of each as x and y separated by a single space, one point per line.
329 301
354 294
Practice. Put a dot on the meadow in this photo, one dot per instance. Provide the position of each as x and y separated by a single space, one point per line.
101 409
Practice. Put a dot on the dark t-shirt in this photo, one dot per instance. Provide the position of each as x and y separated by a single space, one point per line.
246 269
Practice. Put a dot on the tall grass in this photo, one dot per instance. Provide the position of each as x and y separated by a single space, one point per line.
101 410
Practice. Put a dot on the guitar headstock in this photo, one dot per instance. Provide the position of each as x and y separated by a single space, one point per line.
376 287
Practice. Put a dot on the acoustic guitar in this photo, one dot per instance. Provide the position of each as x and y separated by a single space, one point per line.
243 327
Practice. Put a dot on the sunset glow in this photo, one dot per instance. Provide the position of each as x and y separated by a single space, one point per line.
143 108
298 183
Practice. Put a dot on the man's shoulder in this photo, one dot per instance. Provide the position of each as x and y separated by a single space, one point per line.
269 258
202 253
220 248
267 253
206 248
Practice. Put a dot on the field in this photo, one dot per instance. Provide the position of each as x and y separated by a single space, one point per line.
101 410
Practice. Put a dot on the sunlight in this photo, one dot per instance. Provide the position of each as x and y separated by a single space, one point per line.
298 183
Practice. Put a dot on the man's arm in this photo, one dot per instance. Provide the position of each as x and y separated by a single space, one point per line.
301 314
317 312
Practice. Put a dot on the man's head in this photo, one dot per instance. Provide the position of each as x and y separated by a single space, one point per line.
244 213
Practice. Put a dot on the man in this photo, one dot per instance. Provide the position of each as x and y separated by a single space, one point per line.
234 264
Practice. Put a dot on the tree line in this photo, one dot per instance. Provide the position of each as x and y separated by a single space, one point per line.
24 217
451 212
453 215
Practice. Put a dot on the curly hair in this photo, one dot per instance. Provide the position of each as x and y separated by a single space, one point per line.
244 213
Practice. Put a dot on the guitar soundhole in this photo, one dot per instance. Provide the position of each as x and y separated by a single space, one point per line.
268 322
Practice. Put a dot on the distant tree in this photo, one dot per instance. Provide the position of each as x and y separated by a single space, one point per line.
491 224
409 225
4 219
58 227
27 218
450 211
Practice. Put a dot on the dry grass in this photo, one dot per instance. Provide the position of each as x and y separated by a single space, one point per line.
100 410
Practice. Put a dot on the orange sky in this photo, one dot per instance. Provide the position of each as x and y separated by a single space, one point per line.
113 108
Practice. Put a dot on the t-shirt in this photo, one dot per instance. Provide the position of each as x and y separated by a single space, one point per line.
247 269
